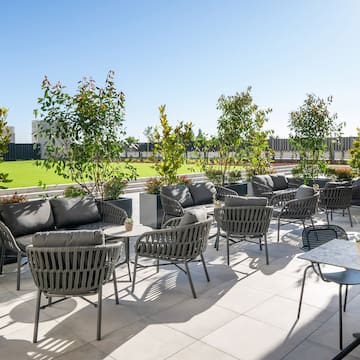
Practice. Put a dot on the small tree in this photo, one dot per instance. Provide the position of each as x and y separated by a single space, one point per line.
355 155
310 126
84 132
4 141
240 135
170 147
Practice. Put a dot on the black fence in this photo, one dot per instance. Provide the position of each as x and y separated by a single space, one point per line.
141 150
23 152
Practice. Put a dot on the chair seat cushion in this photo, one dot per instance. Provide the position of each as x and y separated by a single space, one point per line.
181 193
68 238
24 241
202 193
304 192
69 212
232 201
265 180
27 217
280 181
193 216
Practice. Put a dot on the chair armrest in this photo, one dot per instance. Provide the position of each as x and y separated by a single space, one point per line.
111 213
280 198
221 192
171 206
172 222
7 239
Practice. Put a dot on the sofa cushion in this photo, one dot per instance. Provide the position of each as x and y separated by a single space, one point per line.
68 238
202 193
304 191
193 216
232 201
264 180
280 181
27 217
70 212
180 193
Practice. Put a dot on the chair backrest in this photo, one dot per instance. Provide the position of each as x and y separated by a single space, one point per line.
336 197
300 208
244 220
77 270
314 237
175 243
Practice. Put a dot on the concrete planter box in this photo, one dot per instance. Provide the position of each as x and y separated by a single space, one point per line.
151 211
123 203
240 188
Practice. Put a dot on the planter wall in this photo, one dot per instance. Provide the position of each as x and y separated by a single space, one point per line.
240 188
151 212
123 203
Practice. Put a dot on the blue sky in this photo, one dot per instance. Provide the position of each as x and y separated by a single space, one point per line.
185 54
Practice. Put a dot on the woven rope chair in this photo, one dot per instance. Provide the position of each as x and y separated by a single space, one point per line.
243 222
179 244
108 212
335 198
297 210
72 271
313 237
173 208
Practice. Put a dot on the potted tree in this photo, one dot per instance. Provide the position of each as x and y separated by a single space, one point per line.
112 191
84 133
169 155
310 126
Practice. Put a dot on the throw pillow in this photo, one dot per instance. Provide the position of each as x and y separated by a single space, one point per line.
27 217
180 193
193 216
303 192
70 212
202 193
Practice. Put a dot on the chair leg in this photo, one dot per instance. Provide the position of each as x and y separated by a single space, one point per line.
216 245
228 249
351 223
134 276
260 243
2 258
157 265
331 215
189 277
49 300
127 249
99 314
278 230
115 287
204 265
266 250
346 295
302 290
312 222
18 271
340 319
327 217
37 315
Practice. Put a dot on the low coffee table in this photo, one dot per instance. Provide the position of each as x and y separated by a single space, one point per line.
116 233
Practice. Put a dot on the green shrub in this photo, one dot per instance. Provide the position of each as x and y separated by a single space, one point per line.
114 188
74 191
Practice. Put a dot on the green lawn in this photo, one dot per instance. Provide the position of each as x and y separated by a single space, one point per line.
26 173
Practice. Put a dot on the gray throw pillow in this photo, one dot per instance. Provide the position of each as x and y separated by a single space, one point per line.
202 193
193 216
68 238
70 212
264 180
180 193
280 181
27 217
232 201
303 192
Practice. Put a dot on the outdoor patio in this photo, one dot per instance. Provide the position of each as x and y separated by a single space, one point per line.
246 311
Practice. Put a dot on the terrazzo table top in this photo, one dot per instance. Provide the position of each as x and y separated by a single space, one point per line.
336 252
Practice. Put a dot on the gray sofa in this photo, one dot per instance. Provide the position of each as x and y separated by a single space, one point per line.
20 221
177 199
276 187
